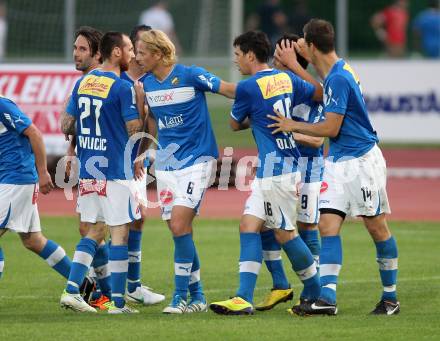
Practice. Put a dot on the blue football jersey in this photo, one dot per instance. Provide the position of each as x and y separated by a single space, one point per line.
260 95
178 104
102 103
125 76
312 161
17 161
343 95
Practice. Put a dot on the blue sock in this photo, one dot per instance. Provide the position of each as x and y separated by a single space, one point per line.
118 257
102 271
387 260
183 258
251 256
195 285
311 239
330 265
304 266
82 259
2 262
272 258
56 257
134 260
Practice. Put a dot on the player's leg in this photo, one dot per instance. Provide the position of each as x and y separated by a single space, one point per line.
82 259
251 254
136 292
281 291
118 256
308 217
180 226
51 252
387 259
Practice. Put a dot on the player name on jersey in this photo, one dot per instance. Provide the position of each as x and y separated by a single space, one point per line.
92 143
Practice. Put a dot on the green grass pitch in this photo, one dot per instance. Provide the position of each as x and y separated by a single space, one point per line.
30 291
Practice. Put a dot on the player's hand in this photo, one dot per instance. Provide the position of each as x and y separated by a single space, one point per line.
285 54
139 170
282 123
45 182
301 47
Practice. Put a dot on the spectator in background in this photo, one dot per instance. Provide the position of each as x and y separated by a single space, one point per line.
390 26
426 28
300 17
271 19
3 29
158 17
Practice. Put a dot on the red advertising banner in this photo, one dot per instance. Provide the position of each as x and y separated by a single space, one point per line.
40 91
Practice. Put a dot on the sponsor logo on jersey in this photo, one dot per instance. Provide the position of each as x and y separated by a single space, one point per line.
275 85
175 81
95 86
170 122
170 96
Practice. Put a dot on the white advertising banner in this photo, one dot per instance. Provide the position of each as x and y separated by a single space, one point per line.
403 98
40 91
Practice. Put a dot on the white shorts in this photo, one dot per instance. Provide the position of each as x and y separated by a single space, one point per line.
141 190
308 203
356 187
183 187
112 202
18 208
274 200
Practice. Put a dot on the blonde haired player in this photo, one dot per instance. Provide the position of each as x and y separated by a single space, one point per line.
186 154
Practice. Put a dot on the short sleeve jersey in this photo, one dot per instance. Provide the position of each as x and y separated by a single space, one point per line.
343 96
102 103
17 161
257 97
178 104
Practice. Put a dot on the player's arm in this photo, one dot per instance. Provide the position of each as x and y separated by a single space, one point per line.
239 118
68 118
328 128
335 110
140 99
308 141
285 54
227 89
37 144
149 127
236 126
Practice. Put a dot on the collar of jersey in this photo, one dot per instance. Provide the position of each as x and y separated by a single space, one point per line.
265 70
168 76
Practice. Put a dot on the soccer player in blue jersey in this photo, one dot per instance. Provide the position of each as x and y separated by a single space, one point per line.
23 172
103 107
87 57
186 154
273 200
311 165
354 175
136 292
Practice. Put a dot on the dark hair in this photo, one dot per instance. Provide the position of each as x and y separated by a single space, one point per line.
93 37
434 4
254 41
139 28
294 38
320 33
109 41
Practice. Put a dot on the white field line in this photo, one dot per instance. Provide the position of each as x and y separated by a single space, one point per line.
213 291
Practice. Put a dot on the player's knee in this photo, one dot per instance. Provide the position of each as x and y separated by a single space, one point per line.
33 241
283 236
83 229
377 227
137 225
179 228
